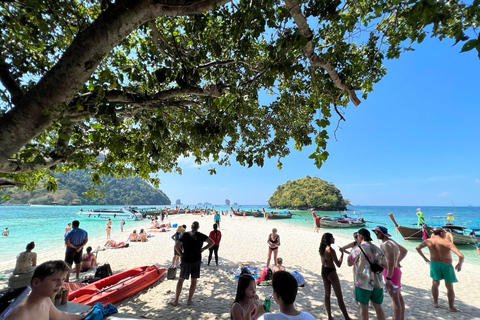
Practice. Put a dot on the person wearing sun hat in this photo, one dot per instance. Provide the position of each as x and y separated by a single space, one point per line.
368 284
392 273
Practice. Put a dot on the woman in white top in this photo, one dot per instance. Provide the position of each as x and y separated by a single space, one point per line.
26 261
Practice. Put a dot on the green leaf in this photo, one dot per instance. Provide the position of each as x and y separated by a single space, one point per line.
469 45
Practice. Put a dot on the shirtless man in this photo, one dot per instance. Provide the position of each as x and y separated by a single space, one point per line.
441 264
392 273
47 279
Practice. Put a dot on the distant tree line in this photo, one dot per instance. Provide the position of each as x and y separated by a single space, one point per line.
308 193
74 185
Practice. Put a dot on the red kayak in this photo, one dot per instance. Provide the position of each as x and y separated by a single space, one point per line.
118 287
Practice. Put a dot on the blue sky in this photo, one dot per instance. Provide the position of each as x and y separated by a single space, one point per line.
413 142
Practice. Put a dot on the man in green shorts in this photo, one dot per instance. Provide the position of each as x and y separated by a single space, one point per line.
441 267
368 284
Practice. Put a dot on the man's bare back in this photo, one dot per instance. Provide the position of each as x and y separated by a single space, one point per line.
440 249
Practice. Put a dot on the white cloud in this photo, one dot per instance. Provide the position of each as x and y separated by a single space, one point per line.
443 195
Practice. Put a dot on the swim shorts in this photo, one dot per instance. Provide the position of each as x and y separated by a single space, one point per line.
442 271
396 278
190 268
364 296
73 256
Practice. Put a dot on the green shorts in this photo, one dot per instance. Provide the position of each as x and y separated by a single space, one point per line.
364 296
442 271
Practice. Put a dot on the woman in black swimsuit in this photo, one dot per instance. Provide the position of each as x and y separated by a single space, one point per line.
273 244
329 274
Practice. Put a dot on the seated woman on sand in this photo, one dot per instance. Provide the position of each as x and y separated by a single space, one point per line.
26 261
89 260
279 266
133 236
142 236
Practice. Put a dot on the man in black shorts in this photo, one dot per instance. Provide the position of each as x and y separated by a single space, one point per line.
191 259
75 240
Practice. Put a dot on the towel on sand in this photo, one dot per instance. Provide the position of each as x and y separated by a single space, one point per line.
99 311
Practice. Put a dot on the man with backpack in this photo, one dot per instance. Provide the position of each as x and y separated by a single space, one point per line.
368 260
191 259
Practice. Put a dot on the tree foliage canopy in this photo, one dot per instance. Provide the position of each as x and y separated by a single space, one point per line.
308 193
126 87
73 187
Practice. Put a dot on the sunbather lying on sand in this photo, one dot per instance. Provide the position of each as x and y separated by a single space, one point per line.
113 244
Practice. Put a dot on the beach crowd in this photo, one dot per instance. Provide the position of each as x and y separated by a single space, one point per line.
377 271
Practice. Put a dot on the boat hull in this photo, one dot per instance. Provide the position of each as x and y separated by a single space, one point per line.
118 287
411 233
459 235
333 224
113 214
278 216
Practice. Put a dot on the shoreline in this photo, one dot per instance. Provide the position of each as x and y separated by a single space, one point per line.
245 241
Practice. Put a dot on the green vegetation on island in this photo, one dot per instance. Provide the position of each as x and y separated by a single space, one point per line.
73 185
308 193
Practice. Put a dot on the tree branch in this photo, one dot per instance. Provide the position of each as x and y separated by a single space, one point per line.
12 166
63 81
293 7
9 82
158 36
224 63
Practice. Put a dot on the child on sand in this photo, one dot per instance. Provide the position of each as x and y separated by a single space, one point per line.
47 280
246 304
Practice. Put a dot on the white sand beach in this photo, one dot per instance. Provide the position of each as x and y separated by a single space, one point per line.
245 241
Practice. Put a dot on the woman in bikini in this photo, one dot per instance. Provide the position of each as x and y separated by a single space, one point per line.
109 228
246 305
273 244
89 260
329 274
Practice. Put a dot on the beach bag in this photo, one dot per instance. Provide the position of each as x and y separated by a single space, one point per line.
103 271
375 267
172 272
269 274
300 279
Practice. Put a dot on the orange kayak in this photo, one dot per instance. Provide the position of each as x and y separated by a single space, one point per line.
118 287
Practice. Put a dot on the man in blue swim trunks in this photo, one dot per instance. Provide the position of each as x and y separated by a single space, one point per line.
441 267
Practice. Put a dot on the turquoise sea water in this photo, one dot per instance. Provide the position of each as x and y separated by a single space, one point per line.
46 224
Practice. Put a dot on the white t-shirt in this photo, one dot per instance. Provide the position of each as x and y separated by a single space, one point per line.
282 316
